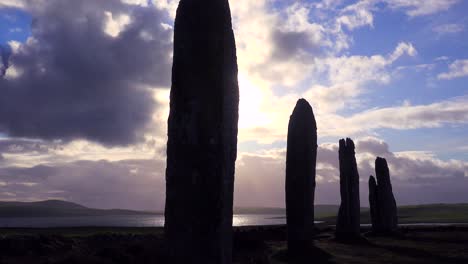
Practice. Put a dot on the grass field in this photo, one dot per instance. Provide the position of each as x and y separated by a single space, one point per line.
263 245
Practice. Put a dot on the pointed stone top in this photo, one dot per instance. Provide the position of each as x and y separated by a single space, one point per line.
303 110
347 144
380 162
381 167
382 171
303 106
303 102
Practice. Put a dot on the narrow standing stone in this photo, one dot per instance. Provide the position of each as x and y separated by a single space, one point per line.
348 221
386 219
374 211
301 159
202 135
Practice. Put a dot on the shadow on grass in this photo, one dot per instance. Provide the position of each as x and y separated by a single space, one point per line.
428 239
352 240
419 254
312 254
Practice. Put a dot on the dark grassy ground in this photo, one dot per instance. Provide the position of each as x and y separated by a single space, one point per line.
431 213
251 245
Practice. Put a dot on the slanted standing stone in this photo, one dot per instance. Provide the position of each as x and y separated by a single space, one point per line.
348 221
202 135
301 159
384 215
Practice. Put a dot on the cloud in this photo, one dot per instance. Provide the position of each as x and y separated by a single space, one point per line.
448 29
345 79
362 69
276 46
416 8
457 69
12 3
72 80
357 15
442 58
132 184
139 183
406 116
30 153
260 176
360 13
401 49
15 30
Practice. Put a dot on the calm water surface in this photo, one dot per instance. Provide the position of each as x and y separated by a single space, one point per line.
126 221
149 221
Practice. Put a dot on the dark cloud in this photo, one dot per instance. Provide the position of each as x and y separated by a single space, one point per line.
132 184
76 81
17 174
5 53
372 146
292 45
327 154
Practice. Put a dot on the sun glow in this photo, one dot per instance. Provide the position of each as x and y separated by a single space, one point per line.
251 99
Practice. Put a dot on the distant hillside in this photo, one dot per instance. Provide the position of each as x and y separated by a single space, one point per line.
57 208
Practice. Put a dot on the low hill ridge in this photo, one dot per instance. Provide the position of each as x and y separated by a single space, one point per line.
59 208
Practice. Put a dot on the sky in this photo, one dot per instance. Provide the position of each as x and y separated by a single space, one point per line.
84 97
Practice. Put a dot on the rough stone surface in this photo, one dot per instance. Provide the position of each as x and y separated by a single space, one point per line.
202 135
301 160
348 221
384 217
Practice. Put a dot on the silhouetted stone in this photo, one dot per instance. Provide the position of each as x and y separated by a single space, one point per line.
373 202
301 159
348 221
384 216
202 135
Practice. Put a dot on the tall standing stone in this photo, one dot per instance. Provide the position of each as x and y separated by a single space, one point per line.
384 217
301 160
202 135
348 221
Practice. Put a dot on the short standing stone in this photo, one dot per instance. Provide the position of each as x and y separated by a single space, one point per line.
386 218
301 160
348 221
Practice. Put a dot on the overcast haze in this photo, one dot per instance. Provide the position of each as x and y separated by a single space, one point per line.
84 97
